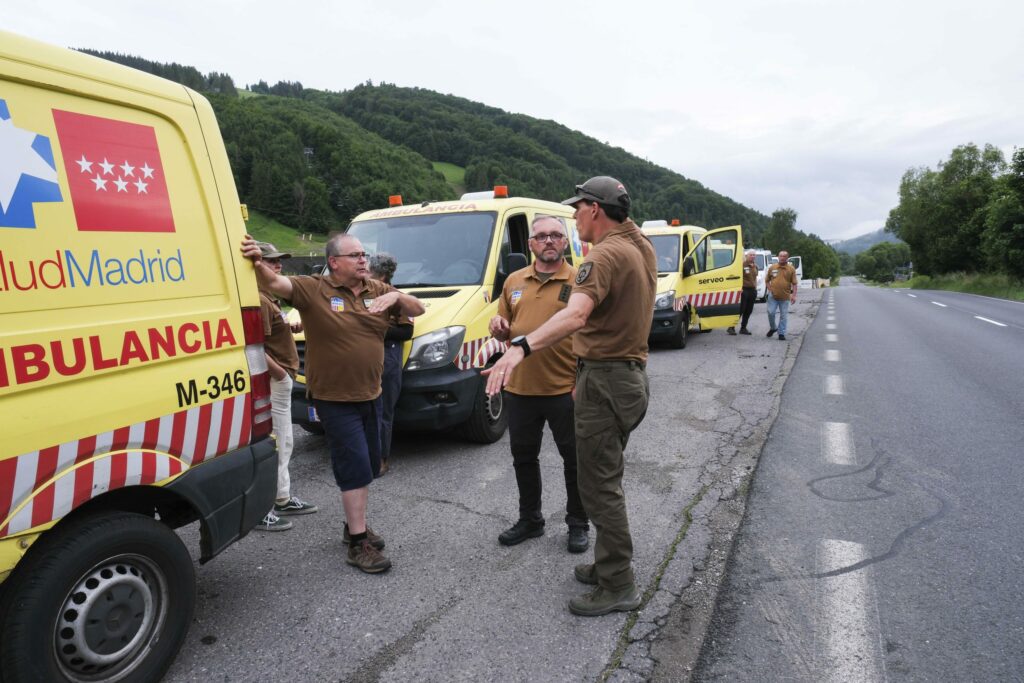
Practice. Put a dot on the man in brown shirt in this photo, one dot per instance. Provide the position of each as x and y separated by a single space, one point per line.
540 389
345 315
609 313
780 279
282 363
749 295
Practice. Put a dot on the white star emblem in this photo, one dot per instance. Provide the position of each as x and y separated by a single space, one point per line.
19 159
140 186
84 165
100 184
122 185
147 172
107 167
127 168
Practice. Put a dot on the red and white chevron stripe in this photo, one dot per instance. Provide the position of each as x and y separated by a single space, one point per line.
44 485
474 354
715 298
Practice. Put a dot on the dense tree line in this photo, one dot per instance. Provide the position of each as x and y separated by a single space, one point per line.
882 261
186 75
965 216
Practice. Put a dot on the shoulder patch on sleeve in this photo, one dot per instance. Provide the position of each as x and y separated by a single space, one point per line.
584 273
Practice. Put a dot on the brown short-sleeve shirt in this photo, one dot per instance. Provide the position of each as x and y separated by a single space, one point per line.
344 342
527 302
750 275
620 274
781 280
278 341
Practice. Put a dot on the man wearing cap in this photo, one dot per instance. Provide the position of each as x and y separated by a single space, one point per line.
540 390
345 315
609 315
283 363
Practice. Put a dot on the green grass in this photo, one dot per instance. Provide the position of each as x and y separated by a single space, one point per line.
283 237
455 175
999 286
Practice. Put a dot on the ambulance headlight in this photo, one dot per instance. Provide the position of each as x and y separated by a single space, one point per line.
664 300
436 348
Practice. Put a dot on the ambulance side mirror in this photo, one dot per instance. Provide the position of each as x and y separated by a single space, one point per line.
688 266
510 263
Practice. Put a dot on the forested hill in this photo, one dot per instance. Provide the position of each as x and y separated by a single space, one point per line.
314 159
856 245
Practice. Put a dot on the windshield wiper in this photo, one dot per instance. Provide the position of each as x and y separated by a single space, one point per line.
407 285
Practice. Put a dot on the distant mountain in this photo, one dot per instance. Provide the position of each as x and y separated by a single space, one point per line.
314 159
855 245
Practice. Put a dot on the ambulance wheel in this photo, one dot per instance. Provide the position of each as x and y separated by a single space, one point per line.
108 597
678 340
489 419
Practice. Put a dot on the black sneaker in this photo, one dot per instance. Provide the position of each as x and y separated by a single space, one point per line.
520 531
273 523
375 540
732 331
295 506
578 540
770 332
744 330
782 337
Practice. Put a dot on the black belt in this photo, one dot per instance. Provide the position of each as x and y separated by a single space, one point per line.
585 362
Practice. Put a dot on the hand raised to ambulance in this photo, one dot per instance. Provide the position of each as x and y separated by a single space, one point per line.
278 285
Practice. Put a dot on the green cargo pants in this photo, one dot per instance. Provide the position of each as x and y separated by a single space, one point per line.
611 401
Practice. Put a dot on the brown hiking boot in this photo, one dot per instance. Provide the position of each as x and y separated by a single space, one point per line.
375 540
367 558
603 601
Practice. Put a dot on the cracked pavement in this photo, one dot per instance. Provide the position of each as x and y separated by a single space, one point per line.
457 605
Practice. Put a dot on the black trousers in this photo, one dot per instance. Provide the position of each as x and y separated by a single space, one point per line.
526 418
747 305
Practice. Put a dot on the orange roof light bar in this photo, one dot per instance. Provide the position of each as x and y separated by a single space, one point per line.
501 191
395 200
675 221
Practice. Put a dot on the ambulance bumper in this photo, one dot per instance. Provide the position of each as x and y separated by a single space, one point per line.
665 324
231 493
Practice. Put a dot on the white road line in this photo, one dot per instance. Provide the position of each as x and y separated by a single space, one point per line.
837 444
990 321
830 326
913 296
849 641
833 355
834 385
938 304
830 318
831 337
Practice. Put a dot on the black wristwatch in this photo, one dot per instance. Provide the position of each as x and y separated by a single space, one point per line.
521 342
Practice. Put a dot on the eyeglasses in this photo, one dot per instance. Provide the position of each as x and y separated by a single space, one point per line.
357 255
552 237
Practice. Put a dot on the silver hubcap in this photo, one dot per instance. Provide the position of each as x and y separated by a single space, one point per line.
109 618
493 408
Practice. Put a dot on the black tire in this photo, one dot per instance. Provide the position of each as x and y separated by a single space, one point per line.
489 419
678 340
107 598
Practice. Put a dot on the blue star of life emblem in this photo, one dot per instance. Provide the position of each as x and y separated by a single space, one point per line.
28 173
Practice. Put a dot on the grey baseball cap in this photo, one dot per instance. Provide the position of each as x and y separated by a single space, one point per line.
268 250
603 190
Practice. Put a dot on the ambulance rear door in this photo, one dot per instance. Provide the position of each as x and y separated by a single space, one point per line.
713 277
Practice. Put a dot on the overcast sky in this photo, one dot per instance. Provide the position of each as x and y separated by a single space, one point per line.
817 105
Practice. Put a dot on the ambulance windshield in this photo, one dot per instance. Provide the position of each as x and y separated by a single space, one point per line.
433 250
667 249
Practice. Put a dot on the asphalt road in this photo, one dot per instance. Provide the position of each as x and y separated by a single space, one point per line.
882 533
456 605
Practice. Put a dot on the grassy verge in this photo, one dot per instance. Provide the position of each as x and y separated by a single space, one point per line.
455 175
999 286
283 237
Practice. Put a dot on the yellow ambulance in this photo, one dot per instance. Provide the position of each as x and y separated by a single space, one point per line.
454 256
700 279
134 394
